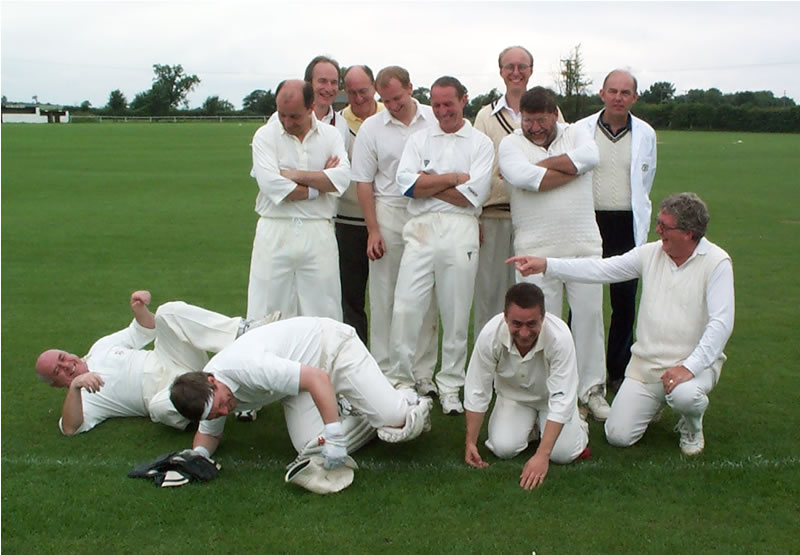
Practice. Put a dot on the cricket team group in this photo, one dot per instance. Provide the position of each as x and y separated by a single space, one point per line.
436 217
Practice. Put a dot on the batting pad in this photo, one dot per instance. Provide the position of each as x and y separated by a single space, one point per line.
311 475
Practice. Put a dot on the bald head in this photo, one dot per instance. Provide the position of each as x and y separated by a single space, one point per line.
292 88
359 85
294 99
618 95
622 76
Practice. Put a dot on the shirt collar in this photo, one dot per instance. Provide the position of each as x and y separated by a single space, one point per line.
607 127
464 131
389 118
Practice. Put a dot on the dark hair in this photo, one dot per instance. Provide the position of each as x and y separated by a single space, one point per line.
318 60
689 211
365 69
538 100
524 295
393 72
308 92
190 393
448 81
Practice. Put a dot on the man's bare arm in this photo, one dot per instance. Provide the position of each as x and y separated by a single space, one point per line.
454 197
72 411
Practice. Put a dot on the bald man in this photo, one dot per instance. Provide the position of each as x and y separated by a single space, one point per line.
301 167
351 230
621 184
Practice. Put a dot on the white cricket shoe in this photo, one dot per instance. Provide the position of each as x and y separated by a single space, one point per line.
451 404
692 443
426 387
598 406
248 325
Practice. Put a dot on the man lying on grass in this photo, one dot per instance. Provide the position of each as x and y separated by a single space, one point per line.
528 357
305 362
118 377
685 318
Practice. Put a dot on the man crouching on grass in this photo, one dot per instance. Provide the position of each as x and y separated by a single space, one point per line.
529 357
686 316
305 362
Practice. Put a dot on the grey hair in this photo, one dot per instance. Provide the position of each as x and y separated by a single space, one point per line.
689 211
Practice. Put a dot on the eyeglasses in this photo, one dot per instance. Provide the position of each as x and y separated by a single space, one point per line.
520 67
664 227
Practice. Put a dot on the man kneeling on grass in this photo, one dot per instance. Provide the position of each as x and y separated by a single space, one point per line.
123 379
685 318
529 357
305 362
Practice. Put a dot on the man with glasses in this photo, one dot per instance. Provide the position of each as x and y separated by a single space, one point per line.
498 119
549 167
686 318
621 182
351 231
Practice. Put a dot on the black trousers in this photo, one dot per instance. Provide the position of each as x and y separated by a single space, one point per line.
354 271
616 229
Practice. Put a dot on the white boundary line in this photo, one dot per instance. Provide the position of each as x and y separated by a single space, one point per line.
750 462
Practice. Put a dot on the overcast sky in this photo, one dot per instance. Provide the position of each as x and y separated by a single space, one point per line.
66 52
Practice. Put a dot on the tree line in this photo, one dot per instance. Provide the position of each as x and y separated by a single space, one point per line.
709 109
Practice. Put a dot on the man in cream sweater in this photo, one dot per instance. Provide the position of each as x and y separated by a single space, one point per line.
549 167
685 319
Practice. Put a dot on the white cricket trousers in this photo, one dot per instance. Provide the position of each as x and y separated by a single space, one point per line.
295 269
441 255
511 426
637 403
494 275
382 283
586 303
184 335
355 376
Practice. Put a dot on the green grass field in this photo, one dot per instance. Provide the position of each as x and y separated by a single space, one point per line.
93 212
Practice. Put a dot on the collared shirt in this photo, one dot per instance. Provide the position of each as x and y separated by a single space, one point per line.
275 149
518 156
378 147
719 293
123 364
435 152
546 377
263 366
503 105
606 128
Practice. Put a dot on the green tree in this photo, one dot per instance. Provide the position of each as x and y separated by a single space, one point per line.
473 107
169 90
661 91
117 103
573 80
422 94
86 106
214 106
259 102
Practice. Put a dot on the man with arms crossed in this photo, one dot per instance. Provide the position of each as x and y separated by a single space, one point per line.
497 120
317 356
446 171
301 167
685 320
549 165
376 154
621 183
528 356
351 231
121 378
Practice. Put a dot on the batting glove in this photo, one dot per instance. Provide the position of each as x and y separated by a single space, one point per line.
334 451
